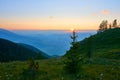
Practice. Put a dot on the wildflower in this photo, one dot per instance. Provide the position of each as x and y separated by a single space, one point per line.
62 78
101 74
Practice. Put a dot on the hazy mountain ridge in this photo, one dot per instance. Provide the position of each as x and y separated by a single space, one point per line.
50 42
54 42
10 51
35 50
5 34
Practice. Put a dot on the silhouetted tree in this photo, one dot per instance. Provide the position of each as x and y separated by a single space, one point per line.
72 59
115 23
103 26
74 37
110 26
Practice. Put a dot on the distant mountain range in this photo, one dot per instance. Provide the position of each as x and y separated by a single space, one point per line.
43 42
35 50
5 34
51 42
10 51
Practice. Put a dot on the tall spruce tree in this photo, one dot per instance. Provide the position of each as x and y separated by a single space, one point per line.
74 37
72 59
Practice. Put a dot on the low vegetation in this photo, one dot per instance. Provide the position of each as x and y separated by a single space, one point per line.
99 69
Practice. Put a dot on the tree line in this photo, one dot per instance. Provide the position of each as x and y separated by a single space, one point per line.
104 25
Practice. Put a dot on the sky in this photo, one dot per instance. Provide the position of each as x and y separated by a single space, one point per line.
57 14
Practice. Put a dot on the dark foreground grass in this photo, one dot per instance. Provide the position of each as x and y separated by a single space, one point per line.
99 69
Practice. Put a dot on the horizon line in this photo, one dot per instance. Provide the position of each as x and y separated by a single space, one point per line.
49 29
52 29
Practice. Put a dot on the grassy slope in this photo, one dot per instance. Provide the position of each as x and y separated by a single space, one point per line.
103 45
53 70
107 44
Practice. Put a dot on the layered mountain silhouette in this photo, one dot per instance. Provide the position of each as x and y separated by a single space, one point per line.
39 42
35 50
5 34
51 42
43 42
10 51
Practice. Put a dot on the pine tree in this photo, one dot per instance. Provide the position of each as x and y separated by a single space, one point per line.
74 38
110 26
103 26
115 23
72 59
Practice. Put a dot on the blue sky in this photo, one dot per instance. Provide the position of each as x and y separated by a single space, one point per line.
57 14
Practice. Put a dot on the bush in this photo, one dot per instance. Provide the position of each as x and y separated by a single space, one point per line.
31 72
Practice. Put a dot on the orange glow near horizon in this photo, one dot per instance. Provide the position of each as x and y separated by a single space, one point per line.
72 29
48 24
9 27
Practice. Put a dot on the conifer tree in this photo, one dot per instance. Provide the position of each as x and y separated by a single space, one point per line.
72 59
74 37
115 23
110 26
103 26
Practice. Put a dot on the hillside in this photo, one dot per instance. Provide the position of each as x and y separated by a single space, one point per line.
5 34
42 40
10 35
35 50
10 51
104 45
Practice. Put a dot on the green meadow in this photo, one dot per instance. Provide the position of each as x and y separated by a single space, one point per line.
52 69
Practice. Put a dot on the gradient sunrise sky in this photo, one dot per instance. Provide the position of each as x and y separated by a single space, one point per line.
57 14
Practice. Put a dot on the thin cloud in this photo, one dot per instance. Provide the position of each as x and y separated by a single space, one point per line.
105 12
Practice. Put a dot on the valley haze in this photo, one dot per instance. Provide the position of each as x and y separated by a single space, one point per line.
53 42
